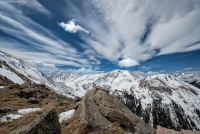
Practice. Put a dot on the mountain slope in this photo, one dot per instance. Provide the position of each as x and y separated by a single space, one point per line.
159 99
193 79
20 72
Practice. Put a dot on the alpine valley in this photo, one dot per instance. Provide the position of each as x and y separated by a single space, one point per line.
162 99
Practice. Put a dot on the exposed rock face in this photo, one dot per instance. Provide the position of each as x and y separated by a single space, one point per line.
116 111
89 113
47 123
99 112
161 130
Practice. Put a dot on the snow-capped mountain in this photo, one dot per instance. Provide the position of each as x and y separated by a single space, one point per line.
193 79
20 72
159 99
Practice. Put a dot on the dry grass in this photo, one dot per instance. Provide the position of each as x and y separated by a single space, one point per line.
9 99
14 126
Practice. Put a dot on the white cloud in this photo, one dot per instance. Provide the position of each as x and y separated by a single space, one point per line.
82 71
144 68
42 64
47 68
128 62
189 68
132 29
194 70
139 73
30 6
152 73
72 27
39 43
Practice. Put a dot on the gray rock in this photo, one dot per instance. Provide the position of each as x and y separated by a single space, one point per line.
89 114
28 93
46 123
33 100
116 111
96 88
6 109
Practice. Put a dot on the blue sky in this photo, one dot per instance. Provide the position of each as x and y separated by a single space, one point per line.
92 36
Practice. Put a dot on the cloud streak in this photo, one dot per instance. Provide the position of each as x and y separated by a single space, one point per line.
137 29
39 43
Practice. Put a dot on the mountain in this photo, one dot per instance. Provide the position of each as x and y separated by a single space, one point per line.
159 99
193 79
21 72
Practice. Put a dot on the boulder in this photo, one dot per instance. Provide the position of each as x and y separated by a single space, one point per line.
116 111
46 123
100 112
89 114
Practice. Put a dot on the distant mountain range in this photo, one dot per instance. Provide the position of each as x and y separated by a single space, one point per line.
193 79
161 99
21 72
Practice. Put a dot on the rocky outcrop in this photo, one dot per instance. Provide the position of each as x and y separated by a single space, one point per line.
116 111
89 114
32 93
99 112
161 130
46 123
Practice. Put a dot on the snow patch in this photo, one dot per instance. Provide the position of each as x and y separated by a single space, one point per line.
21 112
10 117
10 75
2 86
27 110
66 115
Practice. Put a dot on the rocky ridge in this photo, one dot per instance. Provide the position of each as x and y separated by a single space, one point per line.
98 112
159 99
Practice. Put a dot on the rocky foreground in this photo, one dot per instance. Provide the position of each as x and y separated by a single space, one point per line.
97 112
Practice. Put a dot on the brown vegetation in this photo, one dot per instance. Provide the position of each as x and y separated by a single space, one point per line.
10 99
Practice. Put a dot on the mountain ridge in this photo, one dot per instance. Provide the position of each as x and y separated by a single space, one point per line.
158 99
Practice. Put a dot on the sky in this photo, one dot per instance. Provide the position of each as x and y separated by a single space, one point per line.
95 36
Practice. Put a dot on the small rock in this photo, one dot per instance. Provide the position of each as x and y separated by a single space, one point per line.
6 109
33 101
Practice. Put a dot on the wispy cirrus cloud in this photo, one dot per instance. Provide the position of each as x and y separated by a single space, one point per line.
72 27
139 30
30 6
31 41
